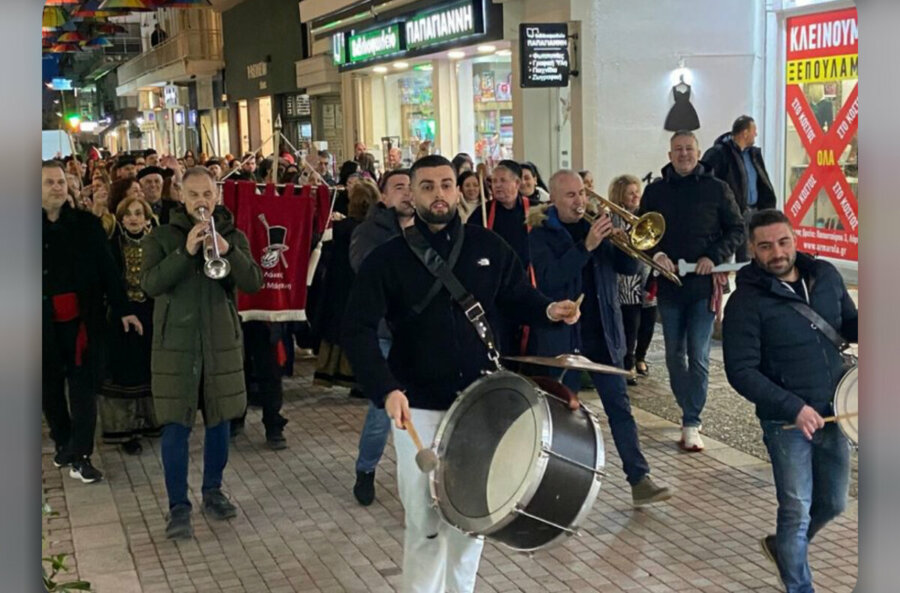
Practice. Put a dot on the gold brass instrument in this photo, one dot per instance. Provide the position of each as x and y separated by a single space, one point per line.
215 266
642 232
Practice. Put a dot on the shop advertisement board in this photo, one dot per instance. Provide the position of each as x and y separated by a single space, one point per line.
372 44
441 25
821 158
544 54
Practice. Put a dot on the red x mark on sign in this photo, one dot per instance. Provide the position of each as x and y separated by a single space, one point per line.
823 150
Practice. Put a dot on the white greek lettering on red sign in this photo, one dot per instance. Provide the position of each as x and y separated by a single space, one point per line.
844 126
805 191
273 275
846 208
278 286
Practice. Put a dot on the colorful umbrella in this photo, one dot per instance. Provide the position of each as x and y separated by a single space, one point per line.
98 42
53 17
72 37
60 2
65 48
127 5
110 28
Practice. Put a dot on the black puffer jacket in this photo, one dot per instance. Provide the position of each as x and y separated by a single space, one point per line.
725 160
702 220
773 355
437 353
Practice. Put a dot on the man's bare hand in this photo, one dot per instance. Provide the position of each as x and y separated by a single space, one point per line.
566 311
663 260
396 405
808 421
704 266
600 229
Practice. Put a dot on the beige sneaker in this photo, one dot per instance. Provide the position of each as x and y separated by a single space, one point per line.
690 439
647 492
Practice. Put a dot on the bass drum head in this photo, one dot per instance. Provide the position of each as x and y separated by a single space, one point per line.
488 446
846 402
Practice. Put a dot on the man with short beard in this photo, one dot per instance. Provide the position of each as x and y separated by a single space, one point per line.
124 168
386 220
435 353
790 369
151 158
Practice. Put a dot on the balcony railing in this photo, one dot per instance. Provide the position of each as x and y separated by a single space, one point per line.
186 45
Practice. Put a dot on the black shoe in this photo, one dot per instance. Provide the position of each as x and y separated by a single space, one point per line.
276 442
632 381
132 447
62 458
179 525
642 368
771 551
84 471
217 505
364 489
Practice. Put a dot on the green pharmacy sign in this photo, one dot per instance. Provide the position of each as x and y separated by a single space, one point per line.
372 44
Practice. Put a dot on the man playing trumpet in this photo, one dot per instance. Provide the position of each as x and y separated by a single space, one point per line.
572 256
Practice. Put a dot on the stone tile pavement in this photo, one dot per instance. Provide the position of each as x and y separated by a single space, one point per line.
299 528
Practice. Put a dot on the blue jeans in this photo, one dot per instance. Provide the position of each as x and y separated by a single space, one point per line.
174 446
687 329
376 428
614 397
812 479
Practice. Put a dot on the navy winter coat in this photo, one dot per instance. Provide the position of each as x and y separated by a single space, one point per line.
558 264
773 355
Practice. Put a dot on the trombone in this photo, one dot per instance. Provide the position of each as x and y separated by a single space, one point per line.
642 232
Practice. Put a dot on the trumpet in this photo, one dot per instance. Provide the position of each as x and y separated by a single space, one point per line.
642 232
215 266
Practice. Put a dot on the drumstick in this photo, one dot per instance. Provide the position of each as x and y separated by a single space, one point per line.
579 300
827 419
426 459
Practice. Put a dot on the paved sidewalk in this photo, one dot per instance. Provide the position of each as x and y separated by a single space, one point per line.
300 529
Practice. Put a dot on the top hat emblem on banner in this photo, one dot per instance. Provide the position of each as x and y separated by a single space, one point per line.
276 247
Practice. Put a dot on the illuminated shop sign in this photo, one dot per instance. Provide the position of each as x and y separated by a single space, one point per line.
372 44
441 25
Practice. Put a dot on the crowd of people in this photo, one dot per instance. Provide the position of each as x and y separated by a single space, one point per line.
139 337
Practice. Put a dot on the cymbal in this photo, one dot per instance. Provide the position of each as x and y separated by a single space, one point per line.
572 361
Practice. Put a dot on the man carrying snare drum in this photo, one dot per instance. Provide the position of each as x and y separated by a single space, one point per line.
789 368
435 353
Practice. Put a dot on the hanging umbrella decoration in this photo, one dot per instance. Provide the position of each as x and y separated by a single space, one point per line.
98 43
127 5
53 17
61 48
72 37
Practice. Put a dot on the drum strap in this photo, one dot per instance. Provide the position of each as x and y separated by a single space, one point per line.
820 324
435 264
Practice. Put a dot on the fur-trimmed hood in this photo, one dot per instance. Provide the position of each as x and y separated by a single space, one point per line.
538 215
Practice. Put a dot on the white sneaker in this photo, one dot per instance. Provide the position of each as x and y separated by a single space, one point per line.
690 439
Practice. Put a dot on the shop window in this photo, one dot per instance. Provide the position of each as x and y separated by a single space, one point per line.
492 94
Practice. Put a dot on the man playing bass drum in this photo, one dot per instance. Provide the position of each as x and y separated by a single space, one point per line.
789 368
435 353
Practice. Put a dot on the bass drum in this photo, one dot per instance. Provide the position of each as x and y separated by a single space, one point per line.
846 405
515 464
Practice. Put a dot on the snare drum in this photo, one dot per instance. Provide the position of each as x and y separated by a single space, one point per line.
515 464
846 406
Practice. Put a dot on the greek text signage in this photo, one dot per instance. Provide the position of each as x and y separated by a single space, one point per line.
441 25
372 44
544 54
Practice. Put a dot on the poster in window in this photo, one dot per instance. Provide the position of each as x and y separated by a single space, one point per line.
821 161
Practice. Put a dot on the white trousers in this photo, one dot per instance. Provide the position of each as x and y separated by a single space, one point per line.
437 558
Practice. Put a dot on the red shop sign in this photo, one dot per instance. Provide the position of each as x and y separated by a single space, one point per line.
822 49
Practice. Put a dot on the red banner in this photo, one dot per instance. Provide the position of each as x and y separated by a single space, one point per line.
279 229
821 78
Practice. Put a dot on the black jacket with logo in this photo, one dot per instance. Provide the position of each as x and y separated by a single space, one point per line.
437 353
725 160
702 220
774 357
